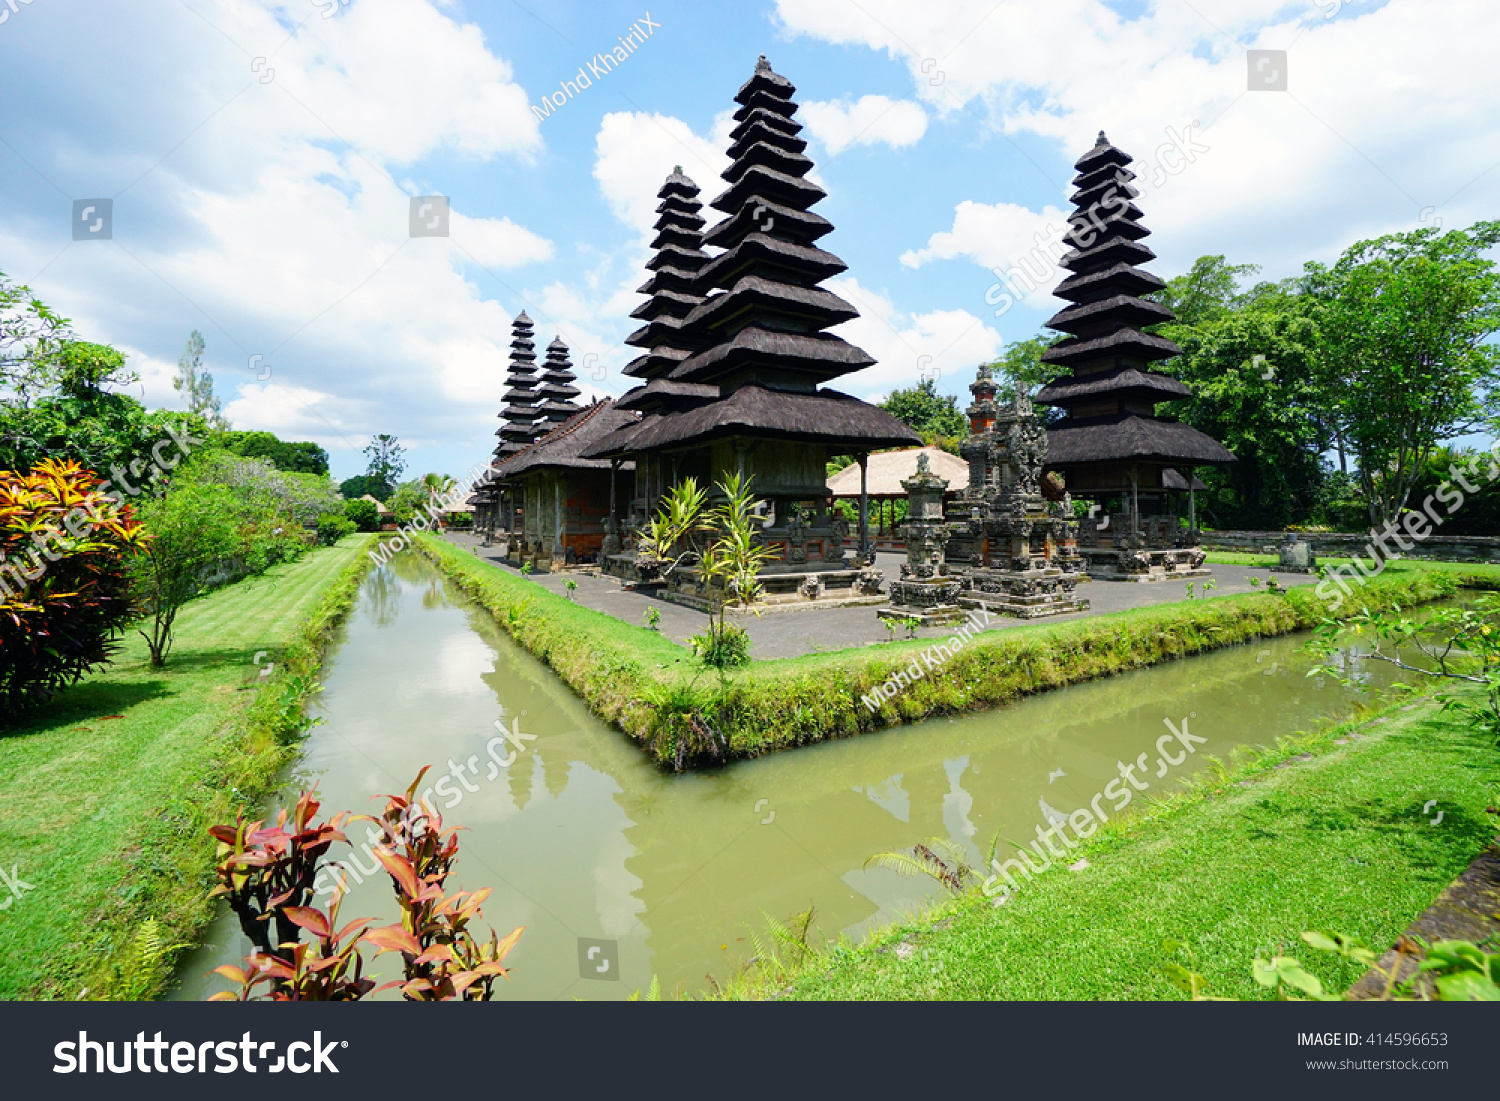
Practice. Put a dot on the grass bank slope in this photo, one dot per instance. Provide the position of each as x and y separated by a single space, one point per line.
109 790
655 691
1238 865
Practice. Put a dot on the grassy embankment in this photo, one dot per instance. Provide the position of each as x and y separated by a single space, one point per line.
657 693
109 790
1237 865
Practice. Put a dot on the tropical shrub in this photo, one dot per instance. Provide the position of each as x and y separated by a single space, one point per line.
268 876
334 526
60 614
363 514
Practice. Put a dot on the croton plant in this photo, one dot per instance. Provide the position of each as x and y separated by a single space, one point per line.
64 591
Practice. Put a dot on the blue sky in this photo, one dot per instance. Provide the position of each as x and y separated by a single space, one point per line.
261 158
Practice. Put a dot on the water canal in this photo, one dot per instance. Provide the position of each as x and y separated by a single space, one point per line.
582 838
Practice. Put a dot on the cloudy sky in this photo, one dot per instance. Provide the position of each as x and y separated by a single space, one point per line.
261 158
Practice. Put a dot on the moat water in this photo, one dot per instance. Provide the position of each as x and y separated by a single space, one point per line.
582 839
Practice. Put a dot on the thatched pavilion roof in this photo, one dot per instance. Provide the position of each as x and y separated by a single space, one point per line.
563 447
887 469
1128 437
826 417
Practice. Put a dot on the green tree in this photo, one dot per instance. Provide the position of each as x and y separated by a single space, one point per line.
1405 359
438 486
30 336
195 384
362 485
387 463
363 514
1022 363
1208 292
1248 358
191 529
933 416
302 457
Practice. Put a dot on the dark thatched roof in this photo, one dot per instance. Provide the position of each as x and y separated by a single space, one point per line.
1124 309
807 353
1126 437
826 416
663 392
1125 342
564 445
1119 278
1174 480
1122 382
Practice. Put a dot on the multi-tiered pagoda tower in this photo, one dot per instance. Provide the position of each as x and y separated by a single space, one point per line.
758 341
521 412
674 271
674 268
519 421
557 390
1111 446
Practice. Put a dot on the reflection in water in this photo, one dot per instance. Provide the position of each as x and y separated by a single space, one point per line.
580 837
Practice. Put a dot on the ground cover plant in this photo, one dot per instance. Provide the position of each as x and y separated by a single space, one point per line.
110 789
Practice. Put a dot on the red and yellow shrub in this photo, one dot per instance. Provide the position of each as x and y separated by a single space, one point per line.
64 592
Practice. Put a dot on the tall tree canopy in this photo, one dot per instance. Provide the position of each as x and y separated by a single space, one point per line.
1405 361
1248 358
195 383
387 463
300 457
933 416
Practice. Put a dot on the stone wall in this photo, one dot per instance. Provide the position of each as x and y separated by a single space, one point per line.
1447 548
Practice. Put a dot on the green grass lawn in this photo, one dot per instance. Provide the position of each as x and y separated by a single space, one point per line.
1237 866
1471 574
108 789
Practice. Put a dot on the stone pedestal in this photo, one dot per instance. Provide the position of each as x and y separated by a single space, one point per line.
925 591
1296 556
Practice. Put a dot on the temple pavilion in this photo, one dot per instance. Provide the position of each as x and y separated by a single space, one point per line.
564 498
738 353
1111 446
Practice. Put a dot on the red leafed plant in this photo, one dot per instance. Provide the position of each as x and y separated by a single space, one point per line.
64 590
443 959
268 874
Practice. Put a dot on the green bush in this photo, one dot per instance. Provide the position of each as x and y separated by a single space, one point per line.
363 514
333 526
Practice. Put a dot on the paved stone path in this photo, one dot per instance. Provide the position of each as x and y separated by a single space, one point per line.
797 631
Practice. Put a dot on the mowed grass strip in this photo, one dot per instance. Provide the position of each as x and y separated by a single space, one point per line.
109 789
1237 866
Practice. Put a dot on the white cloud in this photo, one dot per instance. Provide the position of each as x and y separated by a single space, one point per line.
946 344
635 152
1004 236
497 242
838 124
281 231
1384 115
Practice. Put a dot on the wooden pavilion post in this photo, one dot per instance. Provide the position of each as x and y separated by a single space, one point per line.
1192 503
866 555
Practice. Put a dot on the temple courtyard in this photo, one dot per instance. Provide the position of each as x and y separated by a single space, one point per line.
794 631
